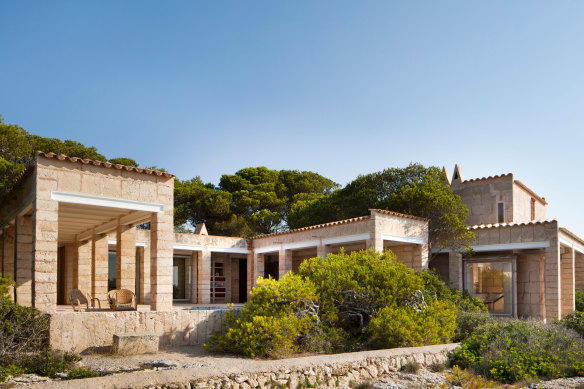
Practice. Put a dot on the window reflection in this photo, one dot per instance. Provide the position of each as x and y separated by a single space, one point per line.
492 282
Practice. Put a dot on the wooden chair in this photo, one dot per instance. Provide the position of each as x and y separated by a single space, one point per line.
80 297
122 300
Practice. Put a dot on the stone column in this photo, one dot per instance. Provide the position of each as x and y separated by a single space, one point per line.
161 246
259 267
82 266
8 254
99 264
23 263
567 281
552 280
45 245
455 270
322 250
375 242
284 262
204 277
126 257
194 278
143 259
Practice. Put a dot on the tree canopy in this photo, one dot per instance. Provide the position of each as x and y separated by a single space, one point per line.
252 201
18 146
415 190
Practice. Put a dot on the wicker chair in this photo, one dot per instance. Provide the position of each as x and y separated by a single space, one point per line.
122 300
80 297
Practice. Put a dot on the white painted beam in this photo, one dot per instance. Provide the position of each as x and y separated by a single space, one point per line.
100 201
511 246
405 239
572 245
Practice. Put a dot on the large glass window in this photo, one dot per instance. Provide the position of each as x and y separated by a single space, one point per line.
492 282
181 278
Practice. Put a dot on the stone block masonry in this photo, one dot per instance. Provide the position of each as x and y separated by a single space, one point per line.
338 370
80 331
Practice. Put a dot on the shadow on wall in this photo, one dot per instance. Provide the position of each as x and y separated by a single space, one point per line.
91 331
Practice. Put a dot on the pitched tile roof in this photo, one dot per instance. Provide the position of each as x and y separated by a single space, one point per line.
488 178
497 225
324 225
532 193
338 222
404 215
572 235
62 157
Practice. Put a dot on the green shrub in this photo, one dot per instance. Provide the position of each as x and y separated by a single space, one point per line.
341 302
48 362
579 300
10 370
22 329
468 322
408 327
411 368
574 321
434 286
274 323
513 351
352 287
82 372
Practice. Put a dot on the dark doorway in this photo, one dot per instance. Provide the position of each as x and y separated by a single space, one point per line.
242 280
271 266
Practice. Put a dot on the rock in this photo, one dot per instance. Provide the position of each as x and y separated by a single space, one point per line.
159 363
131 344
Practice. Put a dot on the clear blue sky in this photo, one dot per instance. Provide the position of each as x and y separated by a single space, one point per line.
337 87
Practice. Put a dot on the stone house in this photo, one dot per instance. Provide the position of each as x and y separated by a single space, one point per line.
522 264
72 223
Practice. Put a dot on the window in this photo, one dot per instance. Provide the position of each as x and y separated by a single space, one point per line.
500 213
492 282
532 209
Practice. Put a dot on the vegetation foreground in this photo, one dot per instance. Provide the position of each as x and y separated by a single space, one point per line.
365 300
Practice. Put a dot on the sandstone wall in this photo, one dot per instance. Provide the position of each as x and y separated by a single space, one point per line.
79 331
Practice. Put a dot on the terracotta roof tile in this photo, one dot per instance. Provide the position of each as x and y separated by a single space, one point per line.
404 215
497 225
488 178
324 225
338 222
62 157
532 193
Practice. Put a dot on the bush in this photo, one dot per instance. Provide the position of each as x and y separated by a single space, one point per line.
513 351
574 321
22 329
341 302
411 368
9 370
273 323
408 327
579 300
468 322
82 372
48 362
434 286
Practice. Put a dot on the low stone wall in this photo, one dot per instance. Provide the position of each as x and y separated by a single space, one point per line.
333 370
80 331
